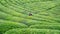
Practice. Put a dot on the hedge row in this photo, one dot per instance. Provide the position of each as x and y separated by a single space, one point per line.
7 25
44 26
32 31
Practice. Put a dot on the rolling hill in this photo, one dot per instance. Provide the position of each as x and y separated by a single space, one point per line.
15 19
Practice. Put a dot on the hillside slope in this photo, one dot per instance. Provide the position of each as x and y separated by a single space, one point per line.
45 19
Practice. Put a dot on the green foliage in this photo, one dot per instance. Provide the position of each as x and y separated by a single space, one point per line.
46 26
32 31
6 26
15 14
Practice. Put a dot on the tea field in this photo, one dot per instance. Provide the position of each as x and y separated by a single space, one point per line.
15 19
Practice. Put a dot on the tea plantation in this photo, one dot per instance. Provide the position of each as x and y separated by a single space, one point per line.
15 19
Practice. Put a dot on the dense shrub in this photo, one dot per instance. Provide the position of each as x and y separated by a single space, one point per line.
46 26
6 26
5 21
32 31
15 14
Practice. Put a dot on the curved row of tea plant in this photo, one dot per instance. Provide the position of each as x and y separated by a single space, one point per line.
15 19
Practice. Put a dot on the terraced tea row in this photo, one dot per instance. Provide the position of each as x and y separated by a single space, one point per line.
43 26
32 31
15 19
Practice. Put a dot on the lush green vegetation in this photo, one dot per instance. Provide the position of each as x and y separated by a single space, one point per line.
32 31
15 19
